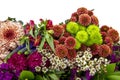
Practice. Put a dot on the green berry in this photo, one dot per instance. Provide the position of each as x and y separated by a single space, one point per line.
78 44
72 27
92 29
82 36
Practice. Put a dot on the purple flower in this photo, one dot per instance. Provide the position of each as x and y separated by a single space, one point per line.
73 74
4 66
17 62
34 59
88 77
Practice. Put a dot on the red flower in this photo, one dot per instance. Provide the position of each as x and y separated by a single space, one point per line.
71 54
104 28
49 24
84 19
104 50
58 30
104 34
66 34
61 51
56 42
113 34
62 40
74 19
95 49
70 42
83 47
32 24
82 10
94 20
90 13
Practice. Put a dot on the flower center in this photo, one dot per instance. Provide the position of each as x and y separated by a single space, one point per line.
9 34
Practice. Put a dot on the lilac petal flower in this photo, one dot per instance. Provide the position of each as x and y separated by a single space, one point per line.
4 66
88 76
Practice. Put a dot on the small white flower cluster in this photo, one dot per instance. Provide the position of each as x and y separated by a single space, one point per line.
83 61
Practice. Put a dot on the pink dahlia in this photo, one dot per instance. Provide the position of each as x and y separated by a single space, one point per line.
58 30
34 59
94 20
10 32
82 10
71 54
84 19
104 50
70 42
17 62
61 51
113 34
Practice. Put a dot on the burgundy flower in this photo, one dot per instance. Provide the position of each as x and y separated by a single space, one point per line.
82 10
84 19
49 24
108 40
34 59
58 30
95 49
113 34
90 13
71 54
83 47
32 24
74 19
104 50
56 42
94 20
104 34
62 40
61 51
17 62
104 28
66 34
70 42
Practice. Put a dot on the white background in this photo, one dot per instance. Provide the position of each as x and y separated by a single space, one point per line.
107 11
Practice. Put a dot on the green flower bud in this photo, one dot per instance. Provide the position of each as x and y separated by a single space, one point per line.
72 27
78 44
82 28
82 36
92 29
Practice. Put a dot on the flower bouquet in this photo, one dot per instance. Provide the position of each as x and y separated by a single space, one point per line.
77 49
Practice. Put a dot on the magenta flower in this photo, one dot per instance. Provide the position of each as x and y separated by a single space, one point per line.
34 59
17 62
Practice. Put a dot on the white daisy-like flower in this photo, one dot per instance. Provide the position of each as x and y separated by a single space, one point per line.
77 78
44 69
37 68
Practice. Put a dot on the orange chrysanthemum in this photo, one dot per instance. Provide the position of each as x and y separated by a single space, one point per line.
84 19
94 20
61 51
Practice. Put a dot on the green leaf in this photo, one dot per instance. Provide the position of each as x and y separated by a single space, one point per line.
113 77
42 43
111 67
53 76
31 33
38 77
115 73
49 39
26 75
44 78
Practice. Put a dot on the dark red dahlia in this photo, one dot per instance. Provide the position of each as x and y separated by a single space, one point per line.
90 13
82 10
56 42
108 40
62 40
34 59
95 49
113 34
17 62
74 19
104 50
84 19
83 47
104 28
61 51
71 54
104 34
58 30
66 34
94 20
70 42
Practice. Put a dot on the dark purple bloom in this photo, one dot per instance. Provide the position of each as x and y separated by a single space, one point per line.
34 59
47 63
116 48
88 77
73 74
4 66
17 62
